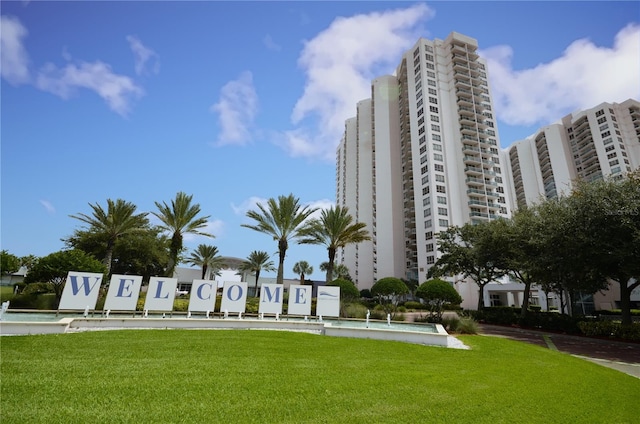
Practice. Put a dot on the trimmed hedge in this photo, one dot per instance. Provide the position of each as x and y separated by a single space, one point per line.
610 329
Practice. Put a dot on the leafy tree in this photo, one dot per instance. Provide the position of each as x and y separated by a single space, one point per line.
118 220
437 293
9 263
143 252
562 262
348 290
28 261
206 257
302 268
388 291
521 249
475 251
257 261
54 268
334 229
179 219
607 213
281 219
340 270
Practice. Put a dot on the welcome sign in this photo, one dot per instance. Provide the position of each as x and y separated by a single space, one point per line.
82 288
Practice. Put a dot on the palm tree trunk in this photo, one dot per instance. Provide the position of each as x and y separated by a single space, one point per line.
255 291
282 251
332 258
204 270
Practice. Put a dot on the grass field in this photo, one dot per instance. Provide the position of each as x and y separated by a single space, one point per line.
196 376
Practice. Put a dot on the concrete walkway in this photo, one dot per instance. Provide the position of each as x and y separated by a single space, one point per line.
621 356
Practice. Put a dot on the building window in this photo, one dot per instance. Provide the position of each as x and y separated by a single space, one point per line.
438 167
425 180
435 127
430 260
430 247
428 223
439 178
428 235
434 118
442 200
443 222
433 109
422 139
433 100
497 170
425 190
423 149
420 130
437 147
430 66
604 127
426 201
600 112
420 111
437 156
435 137
421 120
442 211
440 189
611 155
431 74
431 83
602 120
427 212
432 91
429 57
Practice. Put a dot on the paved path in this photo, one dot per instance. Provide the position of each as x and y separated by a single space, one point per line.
624 357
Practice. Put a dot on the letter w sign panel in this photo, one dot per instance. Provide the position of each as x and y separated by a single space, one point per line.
80 290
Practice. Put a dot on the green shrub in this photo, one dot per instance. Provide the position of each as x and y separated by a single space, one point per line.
348 290
365 294
402 309
398 317
378 314
410 304
450 323
610 329
467 326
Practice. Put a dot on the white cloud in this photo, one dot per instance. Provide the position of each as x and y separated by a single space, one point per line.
117 90
270 44
14 60
321 204
214 228
142 55
339 64
48 206
236 110
247 205
584 76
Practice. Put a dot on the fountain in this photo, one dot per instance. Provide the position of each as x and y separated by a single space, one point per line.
367 321
5 306
86 312
389 320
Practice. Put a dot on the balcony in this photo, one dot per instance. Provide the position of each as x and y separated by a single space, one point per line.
468 159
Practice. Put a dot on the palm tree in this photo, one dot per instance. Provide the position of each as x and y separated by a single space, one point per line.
334 229
206 256
119 219
281 219
301 268
340 270
180 218
256 262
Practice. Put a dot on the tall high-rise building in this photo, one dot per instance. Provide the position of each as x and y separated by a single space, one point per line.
587 145
422 154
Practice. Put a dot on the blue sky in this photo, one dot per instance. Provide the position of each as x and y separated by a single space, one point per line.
237 102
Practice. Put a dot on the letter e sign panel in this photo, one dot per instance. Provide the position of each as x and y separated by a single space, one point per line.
80 291
160 294
123 293
299 300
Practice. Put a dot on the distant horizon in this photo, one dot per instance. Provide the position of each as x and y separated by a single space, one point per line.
239 102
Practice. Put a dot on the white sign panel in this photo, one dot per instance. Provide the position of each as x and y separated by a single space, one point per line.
328 304
80 290
299 300
271 297
203 295
160 295
123 293
234 296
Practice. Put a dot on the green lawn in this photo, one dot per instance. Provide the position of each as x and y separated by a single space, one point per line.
226 376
